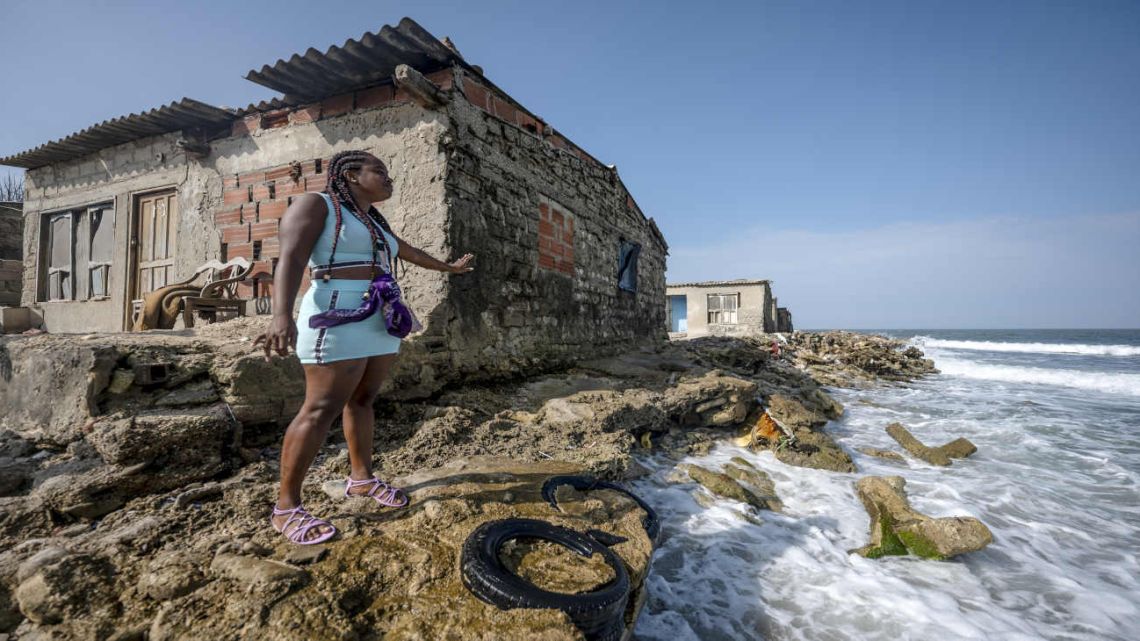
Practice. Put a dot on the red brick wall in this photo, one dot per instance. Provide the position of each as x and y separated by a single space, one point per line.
555 238
333 106
253 204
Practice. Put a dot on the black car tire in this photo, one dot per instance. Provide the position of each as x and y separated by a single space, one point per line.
598 614
651 522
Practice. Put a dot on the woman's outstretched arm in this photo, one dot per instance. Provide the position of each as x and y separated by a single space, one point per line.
419 257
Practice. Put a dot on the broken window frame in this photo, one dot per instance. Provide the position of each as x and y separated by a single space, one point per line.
628 253
60 278
722 308
60 283
100 264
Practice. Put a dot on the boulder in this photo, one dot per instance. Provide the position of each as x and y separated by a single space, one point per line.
755 479
50 391
172 438
712 400
67 587
256 390
724 485
916 447
22 518
172 574
958 448
793 414
814 450
15 474
898 529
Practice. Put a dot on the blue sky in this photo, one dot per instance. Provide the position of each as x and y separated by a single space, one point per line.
887 164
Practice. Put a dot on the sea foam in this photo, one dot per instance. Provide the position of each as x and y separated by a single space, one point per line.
1110 383
1030 348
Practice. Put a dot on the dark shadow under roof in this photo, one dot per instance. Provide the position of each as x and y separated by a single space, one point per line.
357 64
183 114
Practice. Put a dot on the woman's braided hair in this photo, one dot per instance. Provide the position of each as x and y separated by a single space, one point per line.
340 194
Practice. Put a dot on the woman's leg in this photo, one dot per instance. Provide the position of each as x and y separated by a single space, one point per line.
327 388
360 418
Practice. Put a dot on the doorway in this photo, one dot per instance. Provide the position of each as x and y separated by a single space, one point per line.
678 314
153 245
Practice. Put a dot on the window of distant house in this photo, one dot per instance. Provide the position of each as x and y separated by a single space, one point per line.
627 265
78 245
722 308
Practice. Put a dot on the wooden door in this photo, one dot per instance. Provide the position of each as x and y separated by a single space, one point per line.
156 235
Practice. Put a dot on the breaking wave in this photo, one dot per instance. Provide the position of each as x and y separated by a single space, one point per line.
1093 381
1031 348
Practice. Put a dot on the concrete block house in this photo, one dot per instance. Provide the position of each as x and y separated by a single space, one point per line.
568 266
725 308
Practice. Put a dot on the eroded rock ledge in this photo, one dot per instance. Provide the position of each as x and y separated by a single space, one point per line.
139 470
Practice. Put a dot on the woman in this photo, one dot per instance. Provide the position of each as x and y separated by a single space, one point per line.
347 244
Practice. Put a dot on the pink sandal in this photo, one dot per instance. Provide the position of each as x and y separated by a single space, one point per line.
383 493
302 522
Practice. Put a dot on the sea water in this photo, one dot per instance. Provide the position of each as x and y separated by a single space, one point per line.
1056 418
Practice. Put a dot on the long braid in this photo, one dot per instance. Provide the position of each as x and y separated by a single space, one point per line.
340 194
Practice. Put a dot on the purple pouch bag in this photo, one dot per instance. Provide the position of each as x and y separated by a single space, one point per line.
384 292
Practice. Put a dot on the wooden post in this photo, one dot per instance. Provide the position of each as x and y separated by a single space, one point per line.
421 89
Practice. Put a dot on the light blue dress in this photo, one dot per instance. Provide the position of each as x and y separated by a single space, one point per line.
362 339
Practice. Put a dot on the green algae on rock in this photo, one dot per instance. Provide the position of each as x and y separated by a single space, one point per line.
897 528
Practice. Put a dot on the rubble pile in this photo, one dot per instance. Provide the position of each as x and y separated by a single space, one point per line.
847 359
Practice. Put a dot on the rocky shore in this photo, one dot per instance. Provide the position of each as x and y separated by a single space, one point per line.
138 471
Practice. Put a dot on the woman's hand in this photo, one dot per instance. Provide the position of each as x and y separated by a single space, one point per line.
280 337
463 265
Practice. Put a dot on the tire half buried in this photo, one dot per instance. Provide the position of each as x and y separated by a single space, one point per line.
651 523
598 614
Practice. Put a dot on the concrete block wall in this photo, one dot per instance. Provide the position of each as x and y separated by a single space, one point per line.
117 175
252 206
546 221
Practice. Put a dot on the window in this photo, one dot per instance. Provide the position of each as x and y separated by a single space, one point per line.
722 308
101 225
78 246
627 265
59 253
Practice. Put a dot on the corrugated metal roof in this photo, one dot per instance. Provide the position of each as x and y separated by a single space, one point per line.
183 114
368 61
720 283
263 106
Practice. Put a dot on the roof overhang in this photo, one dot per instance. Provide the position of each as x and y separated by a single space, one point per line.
357 64
183 114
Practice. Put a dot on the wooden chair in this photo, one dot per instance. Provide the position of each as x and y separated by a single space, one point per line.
218 300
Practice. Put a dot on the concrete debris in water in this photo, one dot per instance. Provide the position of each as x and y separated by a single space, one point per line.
941 455
724 485
898 529
916 447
